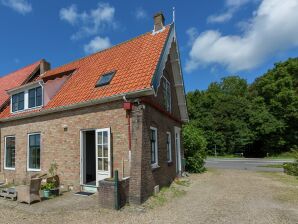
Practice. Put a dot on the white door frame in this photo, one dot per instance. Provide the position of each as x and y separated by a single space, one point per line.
178 149
101 174
82 163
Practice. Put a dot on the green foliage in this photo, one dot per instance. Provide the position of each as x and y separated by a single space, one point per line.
256 120
48 186
195 148
292 168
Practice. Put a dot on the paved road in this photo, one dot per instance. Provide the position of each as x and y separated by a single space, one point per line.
245 164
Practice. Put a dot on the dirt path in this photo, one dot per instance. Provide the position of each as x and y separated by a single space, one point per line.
218 196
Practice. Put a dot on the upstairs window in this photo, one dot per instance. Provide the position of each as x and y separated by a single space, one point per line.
18 102
105 79
167 95
35 97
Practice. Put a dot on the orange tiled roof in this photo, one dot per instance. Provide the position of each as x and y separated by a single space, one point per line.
135 62
15 79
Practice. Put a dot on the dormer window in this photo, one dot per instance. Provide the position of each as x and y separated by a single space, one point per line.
105 79
35 97
27 97
18 102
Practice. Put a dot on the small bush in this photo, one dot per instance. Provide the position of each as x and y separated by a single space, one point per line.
195 146
195 163
292 168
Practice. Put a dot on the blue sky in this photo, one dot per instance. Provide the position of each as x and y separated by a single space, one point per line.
243 37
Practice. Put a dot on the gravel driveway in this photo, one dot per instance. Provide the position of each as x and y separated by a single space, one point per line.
217 196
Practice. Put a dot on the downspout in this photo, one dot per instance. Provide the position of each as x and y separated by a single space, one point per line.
127 105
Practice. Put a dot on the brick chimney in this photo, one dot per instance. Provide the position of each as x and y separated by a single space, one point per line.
159 21
44 66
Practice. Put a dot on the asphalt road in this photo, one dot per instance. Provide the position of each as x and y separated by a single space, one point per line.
245 164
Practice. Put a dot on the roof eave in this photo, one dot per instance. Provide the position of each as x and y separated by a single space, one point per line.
138 93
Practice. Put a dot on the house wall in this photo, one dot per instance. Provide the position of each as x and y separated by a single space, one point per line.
152 114
64 146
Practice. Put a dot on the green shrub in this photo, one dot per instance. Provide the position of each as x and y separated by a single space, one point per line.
292 168
195 163
195 146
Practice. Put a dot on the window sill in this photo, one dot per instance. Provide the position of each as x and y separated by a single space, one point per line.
7 168
155 167
34 170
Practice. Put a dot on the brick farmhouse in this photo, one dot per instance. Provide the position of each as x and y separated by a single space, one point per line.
119 109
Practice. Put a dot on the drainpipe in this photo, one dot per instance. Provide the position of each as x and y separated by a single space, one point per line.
127 105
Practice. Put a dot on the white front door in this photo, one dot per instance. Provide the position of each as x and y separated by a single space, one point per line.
178 150
103 154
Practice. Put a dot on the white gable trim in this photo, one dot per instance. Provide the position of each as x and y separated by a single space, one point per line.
171 48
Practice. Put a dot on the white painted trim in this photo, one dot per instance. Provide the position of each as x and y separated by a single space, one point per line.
26 98
9 136
40 148
178 150
154 165
106 174
170 142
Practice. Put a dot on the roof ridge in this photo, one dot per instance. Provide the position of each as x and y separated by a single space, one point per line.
101 51
20 69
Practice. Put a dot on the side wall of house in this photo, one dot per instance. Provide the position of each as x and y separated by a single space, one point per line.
63 145
154 115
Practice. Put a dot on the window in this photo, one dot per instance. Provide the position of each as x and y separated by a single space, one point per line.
169 147
35 97
10 148
105 79
17 102
154 149
167 95
34 152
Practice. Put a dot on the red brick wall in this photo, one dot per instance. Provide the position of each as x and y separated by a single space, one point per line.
142 119
64 146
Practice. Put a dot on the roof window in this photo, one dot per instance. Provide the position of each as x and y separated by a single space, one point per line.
105 79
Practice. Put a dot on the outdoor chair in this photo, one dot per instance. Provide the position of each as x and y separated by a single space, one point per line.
29 193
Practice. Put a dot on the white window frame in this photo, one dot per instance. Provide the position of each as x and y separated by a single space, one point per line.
30 108
167 88
26 98
169 138
5 149
154 165
28 147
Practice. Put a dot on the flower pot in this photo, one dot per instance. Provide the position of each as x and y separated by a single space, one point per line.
46 193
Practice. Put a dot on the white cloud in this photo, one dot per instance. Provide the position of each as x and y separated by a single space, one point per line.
97 44
88 23
21 6
220 18
272 29
232 6
141 13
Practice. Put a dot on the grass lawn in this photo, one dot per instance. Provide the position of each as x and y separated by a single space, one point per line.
272 166
285 155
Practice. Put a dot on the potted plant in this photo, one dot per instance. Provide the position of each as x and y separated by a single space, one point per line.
46 188
54 179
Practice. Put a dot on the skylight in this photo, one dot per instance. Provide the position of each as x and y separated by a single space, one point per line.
105 79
